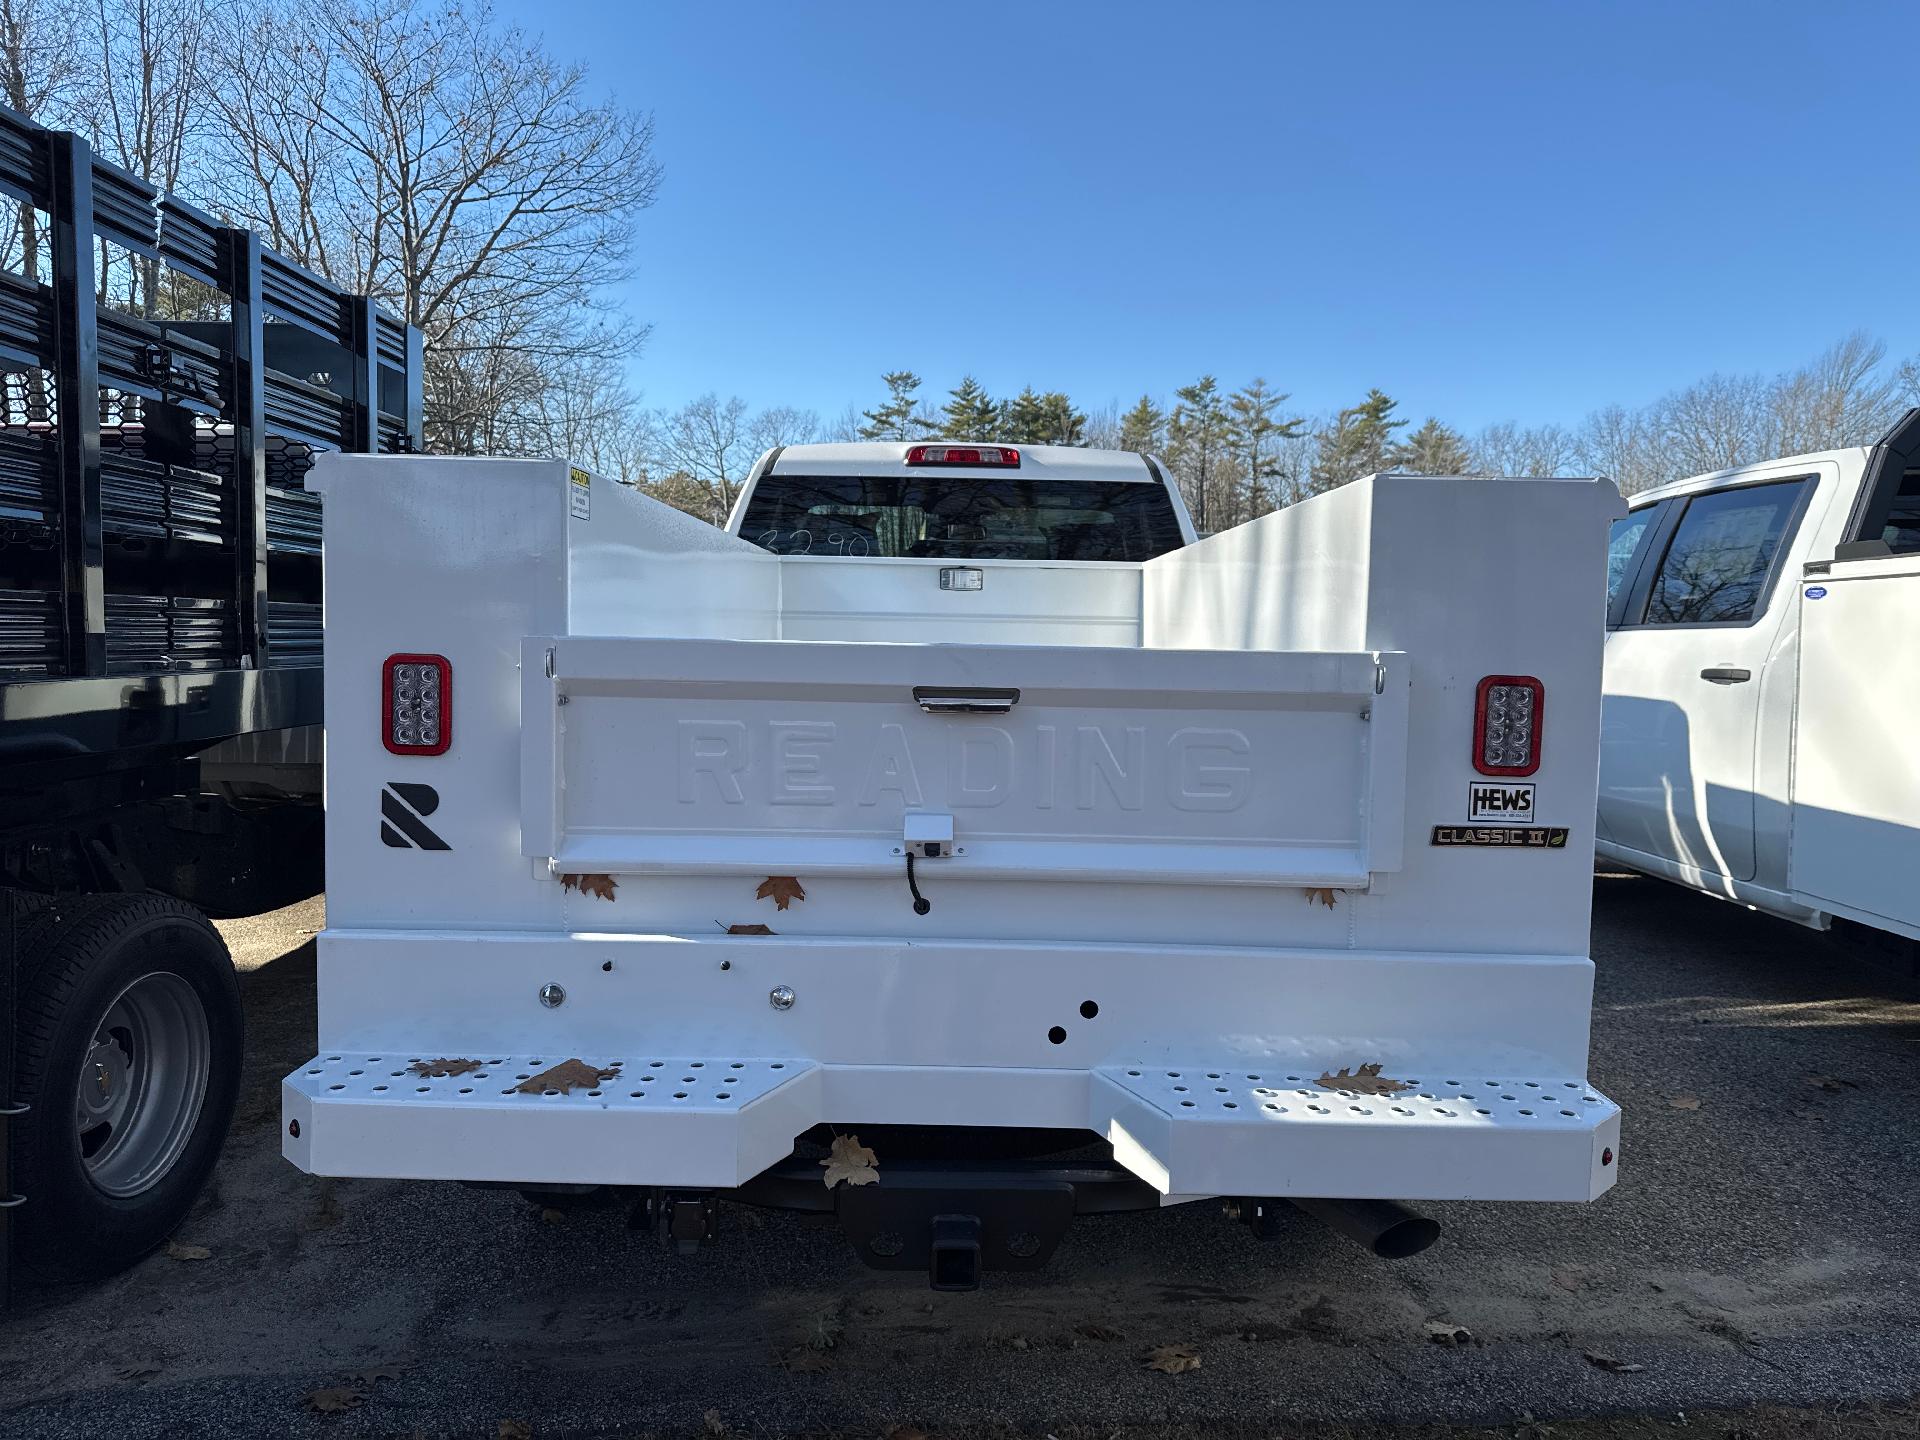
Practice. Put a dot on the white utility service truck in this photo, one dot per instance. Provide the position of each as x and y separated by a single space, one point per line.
1756 740
956 849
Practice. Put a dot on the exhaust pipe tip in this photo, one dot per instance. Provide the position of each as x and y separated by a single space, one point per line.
1382 1227
1406 1237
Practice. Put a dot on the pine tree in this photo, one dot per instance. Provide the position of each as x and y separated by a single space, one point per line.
893 420
1358 443
1023 419
1433 449
1142 427
1061 424
971 413
1197 436
1255 438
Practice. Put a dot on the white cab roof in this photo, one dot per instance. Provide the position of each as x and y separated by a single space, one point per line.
888 457
1857 454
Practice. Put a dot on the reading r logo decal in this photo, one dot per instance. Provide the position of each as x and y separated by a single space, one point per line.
402 808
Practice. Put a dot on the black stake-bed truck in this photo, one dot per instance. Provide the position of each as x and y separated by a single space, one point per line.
159 669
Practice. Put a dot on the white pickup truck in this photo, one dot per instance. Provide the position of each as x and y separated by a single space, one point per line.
1761 686
955 849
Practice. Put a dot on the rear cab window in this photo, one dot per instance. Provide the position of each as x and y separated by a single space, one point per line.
1718 567
1902 530
1624 541
961 517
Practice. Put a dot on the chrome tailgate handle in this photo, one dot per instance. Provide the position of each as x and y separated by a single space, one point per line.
965 699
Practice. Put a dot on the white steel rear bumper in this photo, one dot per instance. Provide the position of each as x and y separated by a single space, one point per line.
1187 1129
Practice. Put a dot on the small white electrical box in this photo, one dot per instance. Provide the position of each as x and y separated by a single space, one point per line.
930 837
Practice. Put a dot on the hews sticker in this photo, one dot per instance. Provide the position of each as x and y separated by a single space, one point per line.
1493 800
580 494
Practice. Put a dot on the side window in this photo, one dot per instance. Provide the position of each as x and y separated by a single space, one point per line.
1716 567
1623 547
1902 532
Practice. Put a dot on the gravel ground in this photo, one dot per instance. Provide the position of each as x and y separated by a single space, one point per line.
1758 1249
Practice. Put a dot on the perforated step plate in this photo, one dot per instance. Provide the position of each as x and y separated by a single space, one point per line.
659 1120
1211 1129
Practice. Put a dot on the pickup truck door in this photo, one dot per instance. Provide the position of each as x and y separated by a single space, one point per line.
1684 676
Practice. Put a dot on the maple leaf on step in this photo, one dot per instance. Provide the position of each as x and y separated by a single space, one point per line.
439 1069
748 930
564 1076
601 885
1323 893
850 1161
1367 1080
783 890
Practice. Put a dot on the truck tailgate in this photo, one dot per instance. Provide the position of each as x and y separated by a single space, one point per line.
769 757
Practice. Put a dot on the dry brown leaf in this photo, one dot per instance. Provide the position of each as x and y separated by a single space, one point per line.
1445 1332
551 1216
713 1424
1367 1080
850 1161
601 885
177 1251
1685 1102
783 890
365 1378
513 1430
438 1069
748 930
1323 893
1608 1363
804 1359
1098 1332
564 1076
1171 1359
145 1370
333 1400
1832 1084
906 1432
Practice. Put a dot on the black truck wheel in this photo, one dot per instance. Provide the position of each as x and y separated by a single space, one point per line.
129 1050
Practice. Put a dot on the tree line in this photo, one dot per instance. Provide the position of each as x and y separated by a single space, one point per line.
419 151
425 153
1243 452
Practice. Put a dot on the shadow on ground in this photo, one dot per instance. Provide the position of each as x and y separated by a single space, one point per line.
1759 1248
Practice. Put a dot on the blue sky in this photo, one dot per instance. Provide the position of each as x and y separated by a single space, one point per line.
1512 211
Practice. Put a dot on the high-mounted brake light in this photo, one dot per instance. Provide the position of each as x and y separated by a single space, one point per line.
416 704
1003 457
1507 714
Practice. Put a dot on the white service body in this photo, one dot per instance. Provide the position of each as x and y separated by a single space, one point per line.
1767 758
1130 930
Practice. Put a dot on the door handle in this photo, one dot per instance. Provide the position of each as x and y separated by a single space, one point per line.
968 700
1726 674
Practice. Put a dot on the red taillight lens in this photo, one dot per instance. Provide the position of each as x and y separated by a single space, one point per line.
416 704
1507 712
1003 457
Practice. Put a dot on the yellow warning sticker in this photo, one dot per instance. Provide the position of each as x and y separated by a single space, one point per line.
580 494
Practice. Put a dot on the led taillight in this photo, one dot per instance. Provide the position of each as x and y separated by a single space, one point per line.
1003 457
416 704
1507 713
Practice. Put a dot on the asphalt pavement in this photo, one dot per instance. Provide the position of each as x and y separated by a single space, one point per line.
1761 1246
